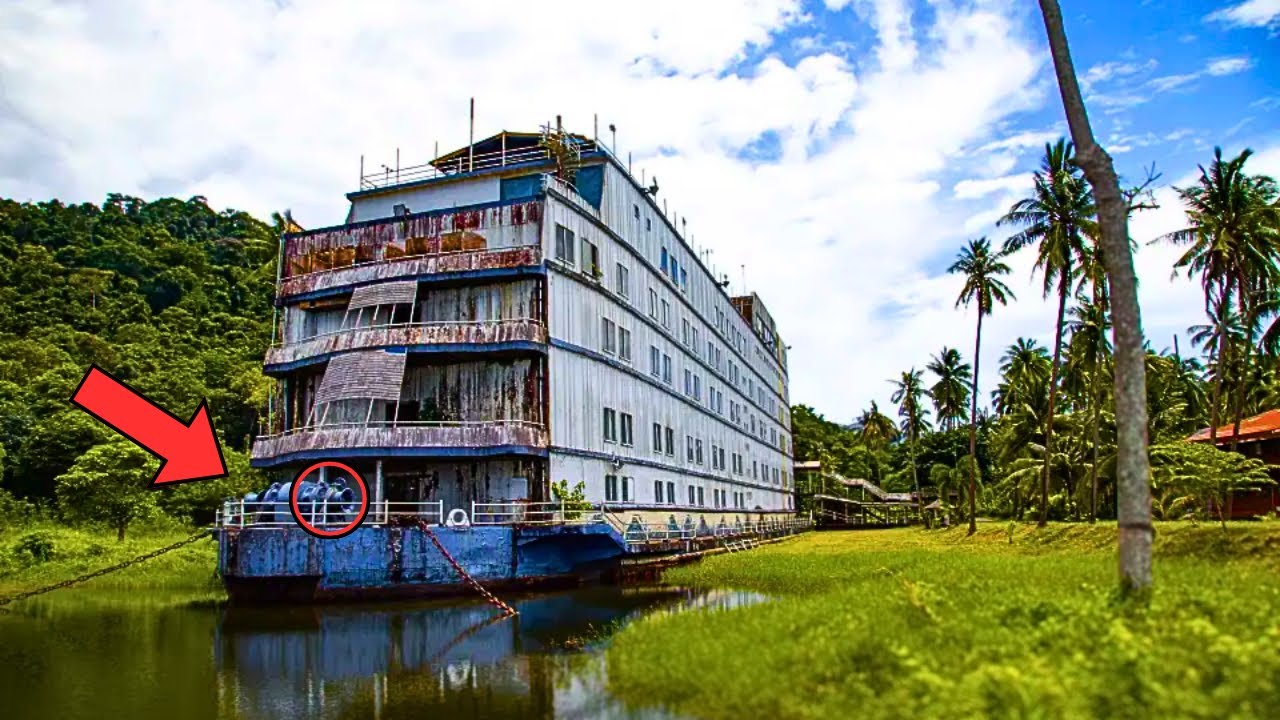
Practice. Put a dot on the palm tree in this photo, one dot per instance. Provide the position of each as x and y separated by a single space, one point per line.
1233 239
1089 347
982 270
876 428
1133 466
907 393
1056 219
951 393
1024 369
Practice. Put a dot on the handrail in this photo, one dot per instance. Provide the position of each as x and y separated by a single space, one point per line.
390 177
397 424
416 256
394 326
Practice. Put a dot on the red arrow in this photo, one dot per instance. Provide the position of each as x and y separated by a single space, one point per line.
190 450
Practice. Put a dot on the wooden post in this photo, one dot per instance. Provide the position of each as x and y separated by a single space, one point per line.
471 139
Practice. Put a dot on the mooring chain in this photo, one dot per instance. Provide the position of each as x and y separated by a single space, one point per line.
505 608
103 571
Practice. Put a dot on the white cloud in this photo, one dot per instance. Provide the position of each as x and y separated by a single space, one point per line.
1115 69
1251 13
1171 82
1228 65
977 188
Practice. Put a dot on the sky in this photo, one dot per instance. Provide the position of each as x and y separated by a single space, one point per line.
831 156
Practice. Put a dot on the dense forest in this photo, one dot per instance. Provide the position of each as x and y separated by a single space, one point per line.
1047 445
172 297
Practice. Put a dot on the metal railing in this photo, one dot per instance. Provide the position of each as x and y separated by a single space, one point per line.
417 256
276 513
390 177
533 513
409 325
399 424
663 531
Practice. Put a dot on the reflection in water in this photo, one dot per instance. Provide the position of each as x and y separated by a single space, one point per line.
83 657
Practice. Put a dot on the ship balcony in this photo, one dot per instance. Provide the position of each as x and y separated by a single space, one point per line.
490 438
508 261
516 334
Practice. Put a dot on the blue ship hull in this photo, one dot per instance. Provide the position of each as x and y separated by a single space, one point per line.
289 565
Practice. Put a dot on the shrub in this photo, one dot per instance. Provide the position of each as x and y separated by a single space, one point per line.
36 547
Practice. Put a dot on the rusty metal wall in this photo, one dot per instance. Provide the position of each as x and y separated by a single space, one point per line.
504 301
477 390
417 266
382 437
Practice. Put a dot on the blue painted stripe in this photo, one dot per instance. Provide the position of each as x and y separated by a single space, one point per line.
408 452
623 367
458 348
423 279
679 470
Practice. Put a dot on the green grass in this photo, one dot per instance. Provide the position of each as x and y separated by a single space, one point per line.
915 623
76 551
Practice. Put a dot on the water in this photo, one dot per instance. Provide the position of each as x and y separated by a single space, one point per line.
97 654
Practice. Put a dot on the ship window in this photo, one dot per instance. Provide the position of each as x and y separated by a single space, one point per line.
611 488
657 491
684 331
648 224
635 209
666 368
610 425
591 259
628 437
666 314
608 337
655 361
702 498
691 495
671 441
657 437
624 344
564 244
626 489
665 260
653 304
622 280
697 444
688 448
684 280
671 492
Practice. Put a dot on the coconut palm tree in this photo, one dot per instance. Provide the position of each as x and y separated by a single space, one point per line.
908 390
875 428
1233 244
1024 369
950 394
1057 219
982 270
1133 466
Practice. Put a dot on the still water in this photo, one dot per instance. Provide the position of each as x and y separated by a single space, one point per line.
97 654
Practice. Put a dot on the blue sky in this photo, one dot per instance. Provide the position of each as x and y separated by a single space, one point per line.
832 156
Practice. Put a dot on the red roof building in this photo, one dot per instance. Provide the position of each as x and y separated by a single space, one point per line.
1259 438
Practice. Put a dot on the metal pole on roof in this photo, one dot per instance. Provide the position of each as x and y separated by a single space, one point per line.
471 139
595 127
628 162
361 183
397 166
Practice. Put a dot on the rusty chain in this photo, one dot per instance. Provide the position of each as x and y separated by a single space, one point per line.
506 609
104 571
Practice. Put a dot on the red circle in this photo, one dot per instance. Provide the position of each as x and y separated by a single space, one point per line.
344 530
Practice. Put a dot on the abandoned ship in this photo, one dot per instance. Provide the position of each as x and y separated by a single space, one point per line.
534 375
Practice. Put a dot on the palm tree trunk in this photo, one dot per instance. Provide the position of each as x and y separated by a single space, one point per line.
1242 382
973 429
915 476
1133 469
1224 346
1063 284
1095 401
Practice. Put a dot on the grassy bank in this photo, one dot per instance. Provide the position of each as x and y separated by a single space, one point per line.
914 623
49 553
